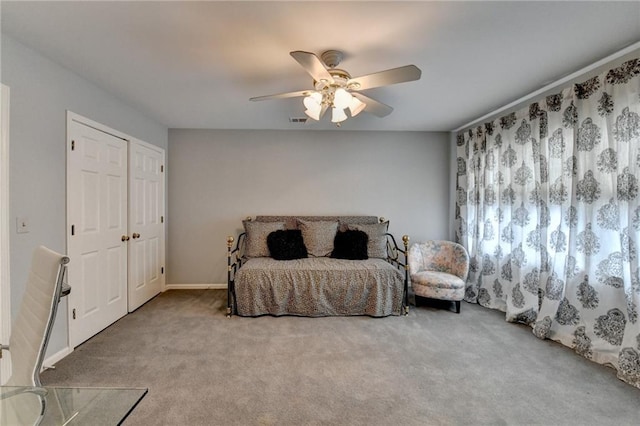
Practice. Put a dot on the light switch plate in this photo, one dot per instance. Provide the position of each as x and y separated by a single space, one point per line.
22 225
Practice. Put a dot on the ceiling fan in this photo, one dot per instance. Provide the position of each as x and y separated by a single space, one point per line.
335 88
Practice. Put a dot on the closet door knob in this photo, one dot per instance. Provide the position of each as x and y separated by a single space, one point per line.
125 238
136 235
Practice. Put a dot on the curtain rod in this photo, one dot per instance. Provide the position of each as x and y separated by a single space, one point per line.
550 86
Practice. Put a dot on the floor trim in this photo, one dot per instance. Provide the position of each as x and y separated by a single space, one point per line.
209 286
53 359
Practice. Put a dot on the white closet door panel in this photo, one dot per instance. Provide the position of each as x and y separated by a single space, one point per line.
116 265
88 263
136 276
97 201
153 259
90 193
146 209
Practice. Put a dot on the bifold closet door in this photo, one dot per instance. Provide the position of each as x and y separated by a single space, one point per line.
97 243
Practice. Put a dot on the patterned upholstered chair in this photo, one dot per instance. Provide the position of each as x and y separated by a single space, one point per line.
438 270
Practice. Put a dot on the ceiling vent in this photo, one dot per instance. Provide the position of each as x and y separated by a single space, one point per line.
301 120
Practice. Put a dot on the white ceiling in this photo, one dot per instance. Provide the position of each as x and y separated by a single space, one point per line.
196 64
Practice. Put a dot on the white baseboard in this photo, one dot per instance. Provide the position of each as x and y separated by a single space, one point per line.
210 286
53 359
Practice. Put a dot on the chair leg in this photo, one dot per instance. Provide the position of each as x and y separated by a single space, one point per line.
457 302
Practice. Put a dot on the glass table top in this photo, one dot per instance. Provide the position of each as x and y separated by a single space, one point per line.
67 406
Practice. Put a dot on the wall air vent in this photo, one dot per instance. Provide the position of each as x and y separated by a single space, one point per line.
300 120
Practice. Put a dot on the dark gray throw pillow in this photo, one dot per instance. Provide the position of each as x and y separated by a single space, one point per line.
350 245
286 245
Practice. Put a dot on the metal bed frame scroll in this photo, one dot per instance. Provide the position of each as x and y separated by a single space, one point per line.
234 262
393 257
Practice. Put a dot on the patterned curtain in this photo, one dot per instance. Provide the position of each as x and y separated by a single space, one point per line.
549 210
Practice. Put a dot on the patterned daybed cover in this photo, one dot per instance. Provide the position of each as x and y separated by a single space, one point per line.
318 286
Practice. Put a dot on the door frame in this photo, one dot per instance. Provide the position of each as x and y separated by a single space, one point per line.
5 258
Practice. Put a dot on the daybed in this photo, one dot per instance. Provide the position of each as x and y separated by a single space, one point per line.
334 265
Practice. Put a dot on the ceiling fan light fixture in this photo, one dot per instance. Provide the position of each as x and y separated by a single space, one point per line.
315 114
313 100
313 103
356 106
338 115
342 98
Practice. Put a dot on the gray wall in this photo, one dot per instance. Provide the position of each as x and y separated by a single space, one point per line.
41 92
218 177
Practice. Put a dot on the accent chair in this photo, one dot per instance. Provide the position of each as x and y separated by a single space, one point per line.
438 270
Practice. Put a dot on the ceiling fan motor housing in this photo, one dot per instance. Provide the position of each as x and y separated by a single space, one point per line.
340 79
332 59
328 90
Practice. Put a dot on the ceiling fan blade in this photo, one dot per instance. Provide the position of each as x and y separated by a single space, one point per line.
313 65
373 107
385 78
281 96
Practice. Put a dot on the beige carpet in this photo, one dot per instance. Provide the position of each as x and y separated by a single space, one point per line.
431 367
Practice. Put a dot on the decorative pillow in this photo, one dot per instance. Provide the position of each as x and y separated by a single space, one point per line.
350 245
318 236
377 246
286 245
256 243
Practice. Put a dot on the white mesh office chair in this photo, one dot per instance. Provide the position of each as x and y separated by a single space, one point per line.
30 335
32 327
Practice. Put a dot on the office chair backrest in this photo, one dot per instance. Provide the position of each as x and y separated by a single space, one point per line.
32 327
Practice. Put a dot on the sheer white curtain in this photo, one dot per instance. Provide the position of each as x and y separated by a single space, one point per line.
549 210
